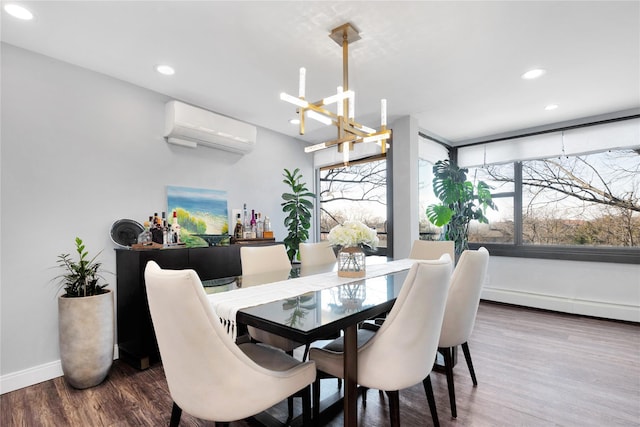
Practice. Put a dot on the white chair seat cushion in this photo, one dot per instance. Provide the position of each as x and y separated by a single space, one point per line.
329 358
269 357
273 339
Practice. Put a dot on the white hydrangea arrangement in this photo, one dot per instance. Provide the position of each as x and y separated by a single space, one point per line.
353 233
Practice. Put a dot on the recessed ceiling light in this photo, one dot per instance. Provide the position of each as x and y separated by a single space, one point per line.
551 107
294 121
18 12
166 70
533 74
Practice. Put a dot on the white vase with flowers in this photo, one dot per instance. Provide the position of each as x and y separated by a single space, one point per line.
350 237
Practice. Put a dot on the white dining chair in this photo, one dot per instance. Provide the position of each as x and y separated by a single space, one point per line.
460 313
210 376
269 260
432 249
263 259
400 353
318 253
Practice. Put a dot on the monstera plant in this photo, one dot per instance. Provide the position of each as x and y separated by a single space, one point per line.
297 206
460 203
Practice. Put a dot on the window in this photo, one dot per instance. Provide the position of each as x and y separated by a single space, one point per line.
500 228
584 207
591 200
574 192
357 192
426 197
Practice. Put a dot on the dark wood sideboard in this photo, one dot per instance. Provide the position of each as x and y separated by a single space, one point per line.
136 339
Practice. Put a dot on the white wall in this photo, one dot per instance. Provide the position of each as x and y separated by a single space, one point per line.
80 150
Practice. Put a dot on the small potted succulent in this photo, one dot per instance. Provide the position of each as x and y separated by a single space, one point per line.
85 320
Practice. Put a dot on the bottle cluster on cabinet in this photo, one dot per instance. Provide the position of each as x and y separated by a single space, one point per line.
252 226
158 232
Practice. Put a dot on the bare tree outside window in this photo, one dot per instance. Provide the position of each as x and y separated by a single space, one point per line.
591 199
355 192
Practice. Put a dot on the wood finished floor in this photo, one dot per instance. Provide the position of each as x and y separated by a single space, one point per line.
534 368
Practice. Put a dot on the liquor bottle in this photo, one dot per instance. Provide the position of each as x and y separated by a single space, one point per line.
175 229
259 227
156 230
145 237
165 232
246 224
267 233
254 230
237 232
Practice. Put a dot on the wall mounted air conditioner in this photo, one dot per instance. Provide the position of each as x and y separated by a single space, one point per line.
191 126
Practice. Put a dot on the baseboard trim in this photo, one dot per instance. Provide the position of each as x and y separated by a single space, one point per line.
605 310
31 376
34 375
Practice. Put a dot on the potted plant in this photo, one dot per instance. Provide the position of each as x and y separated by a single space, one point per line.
85 320
458 198
297 206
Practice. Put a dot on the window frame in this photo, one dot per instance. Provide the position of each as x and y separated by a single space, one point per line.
517 249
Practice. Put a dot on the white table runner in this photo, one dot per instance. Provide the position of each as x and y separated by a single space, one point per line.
227 304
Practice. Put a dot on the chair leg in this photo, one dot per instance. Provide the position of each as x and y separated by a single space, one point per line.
176 412
316 399
394 408
306 352
364 396
290 398
467 357
432 402
306 406
289 408
217 424
448 367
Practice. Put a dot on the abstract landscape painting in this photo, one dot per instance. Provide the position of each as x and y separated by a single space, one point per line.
199 211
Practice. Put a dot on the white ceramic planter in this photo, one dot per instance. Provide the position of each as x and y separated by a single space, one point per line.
86 328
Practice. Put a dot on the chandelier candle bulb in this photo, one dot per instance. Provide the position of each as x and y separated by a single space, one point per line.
293 100
301 87
383 112
319 117
345 153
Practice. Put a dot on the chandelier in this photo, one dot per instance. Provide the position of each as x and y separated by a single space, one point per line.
350 132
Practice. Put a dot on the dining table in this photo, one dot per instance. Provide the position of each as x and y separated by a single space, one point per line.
310 304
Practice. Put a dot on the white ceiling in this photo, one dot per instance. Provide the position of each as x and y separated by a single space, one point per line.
455 66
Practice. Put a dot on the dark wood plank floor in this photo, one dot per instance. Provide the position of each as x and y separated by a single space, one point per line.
534 368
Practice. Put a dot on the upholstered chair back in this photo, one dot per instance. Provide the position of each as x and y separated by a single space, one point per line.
464 297
432 249
319 253
402 351
263 259
208 375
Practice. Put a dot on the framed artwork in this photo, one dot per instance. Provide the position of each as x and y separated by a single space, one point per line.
202 214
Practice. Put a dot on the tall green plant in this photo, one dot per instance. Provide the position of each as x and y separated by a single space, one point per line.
458 199
81 277
297 207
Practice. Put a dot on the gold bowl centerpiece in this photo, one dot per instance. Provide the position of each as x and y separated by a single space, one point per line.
350 237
